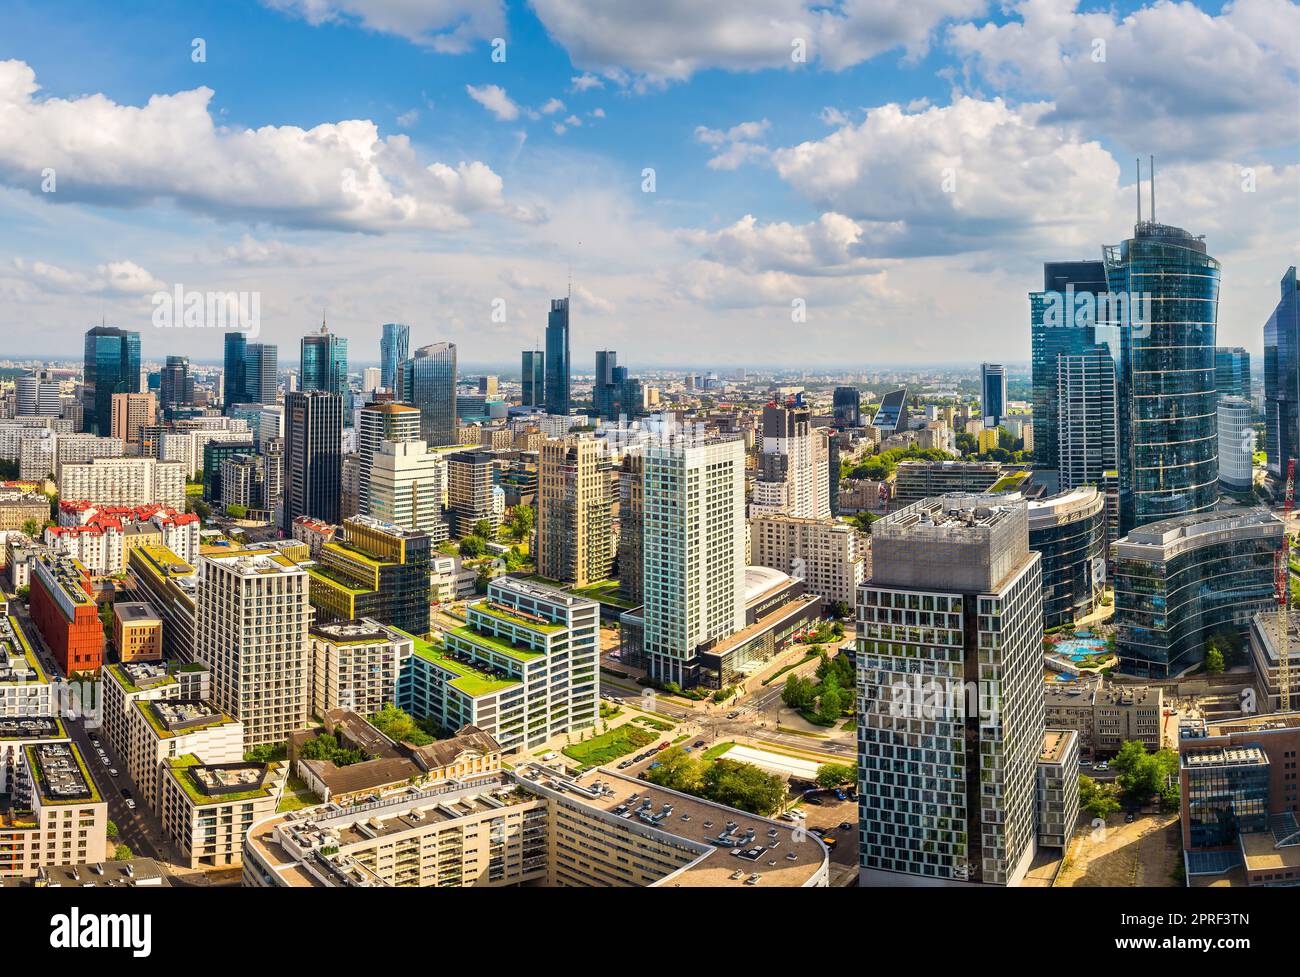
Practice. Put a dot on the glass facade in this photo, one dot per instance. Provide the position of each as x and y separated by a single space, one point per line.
1282 378
533 373
232 377
1232 372
1069 530
1085 417
993 393
428 381
324 363
557 358
111 366
394 346
1227 794
1164 288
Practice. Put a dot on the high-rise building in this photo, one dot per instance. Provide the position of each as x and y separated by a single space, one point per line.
251 628
607 387
824 553
847 405
891 417
111 366
1236 445
177 387
950 701
378 422
37 395
428 381
1282 378
792 465
324 362
313 456
1164 291
261 383
1084 416
631 527
408 487
557 358
469 491
993 393
575 503
533 372
232 374
1179 580
1069 531
694 551
1063 283
1232 372
131 414
377 570
394 346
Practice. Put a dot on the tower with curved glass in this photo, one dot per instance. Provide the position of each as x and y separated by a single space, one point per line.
427 380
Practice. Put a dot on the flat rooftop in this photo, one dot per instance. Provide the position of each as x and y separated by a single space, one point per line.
61 775
1056 744
136 612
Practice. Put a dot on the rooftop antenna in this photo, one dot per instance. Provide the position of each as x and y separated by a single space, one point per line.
1139 187
1153 188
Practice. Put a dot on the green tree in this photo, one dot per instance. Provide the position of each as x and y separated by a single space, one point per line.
472 547
123 853
521 521
483 529
398 725
32 528
798 692
1097 800
110 829
744 786
679 770
831 775
1214 661
237 511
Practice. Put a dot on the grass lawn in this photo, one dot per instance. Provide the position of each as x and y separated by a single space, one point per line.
297 795
777 674
653 723
716 751
610 746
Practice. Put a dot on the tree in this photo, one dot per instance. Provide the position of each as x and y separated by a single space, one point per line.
745 786
472 547
1097 800
110 829
840 608
123 853
32 528
398 725
236 511
1214 661
521 521
831 775
678 770
798 693
483 529
829 706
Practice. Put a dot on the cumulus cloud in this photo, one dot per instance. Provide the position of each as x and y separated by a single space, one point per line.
338 175
830 245
628 41
450 26
551 106
495 100
113 278
1167 78
734 146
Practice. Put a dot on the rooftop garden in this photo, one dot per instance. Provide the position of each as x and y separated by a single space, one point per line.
520 653
26 647
503 614
470 680
322 575
606 592
180 766
146 708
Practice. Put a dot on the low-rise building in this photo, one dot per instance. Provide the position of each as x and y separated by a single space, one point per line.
1105 714
1058 787
162 729
65 613
356 664
137 632
55 814
206 809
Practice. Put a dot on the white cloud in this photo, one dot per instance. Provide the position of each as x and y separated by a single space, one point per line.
584 83
337 175
409 118
734 146
495 100
1172 79
113 278
671 40
552 106
450 26
829 246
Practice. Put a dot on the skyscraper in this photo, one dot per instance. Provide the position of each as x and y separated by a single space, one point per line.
379 422
37 395
261 384
575 509
993 393
694 550
604 388
1164 299
792 465
847 403
533 371
1236 445
111 366
557 358
428 381
950 701
177 388
394 346
1063 282
232 376
1085 417
469 491
324 362
1282 378
313 456
408 484
1232 372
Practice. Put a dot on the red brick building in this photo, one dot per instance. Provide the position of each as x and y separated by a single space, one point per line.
65 613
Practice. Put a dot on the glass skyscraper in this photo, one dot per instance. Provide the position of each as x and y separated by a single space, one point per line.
177 386
557 358
394 346
1164 300
1232 372
111 366
313 456
261 383
324 362
993 393
232 377
428 381
533 371
1282 378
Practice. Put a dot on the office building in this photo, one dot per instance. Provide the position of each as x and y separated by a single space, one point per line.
216 452
1178 581
1282 378
394 346
232 374
993 393
63 608
427 381
377 570
378 422
170 585
1232 372
846 403
792 465
1168 435
131 414
533 371
176 390
1236 446
694 550
916 480
556 396
470 491
313 456
523 668
891 417
1105 716
37 395
1085 419
123 481
1058 788
827 555
575 511
356 665
137 632
324 363
1069 531
111 366
261 383
950 706
251 622
408 485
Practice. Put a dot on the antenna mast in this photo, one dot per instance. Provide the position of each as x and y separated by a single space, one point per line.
1153 188
1139 187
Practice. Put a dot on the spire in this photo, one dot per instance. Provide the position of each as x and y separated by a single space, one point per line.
1139 187
1153 188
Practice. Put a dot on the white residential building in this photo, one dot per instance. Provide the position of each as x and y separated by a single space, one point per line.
407 484
827 555
124 481
793 474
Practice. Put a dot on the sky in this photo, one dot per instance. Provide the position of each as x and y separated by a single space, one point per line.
751 183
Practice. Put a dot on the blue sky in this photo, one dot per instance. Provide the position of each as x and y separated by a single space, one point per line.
371 158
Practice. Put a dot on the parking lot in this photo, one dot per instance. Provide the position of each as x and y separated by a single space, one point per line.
1143 852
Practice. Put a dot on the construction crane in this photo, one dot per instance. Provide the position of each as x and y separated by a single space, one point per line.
1282 568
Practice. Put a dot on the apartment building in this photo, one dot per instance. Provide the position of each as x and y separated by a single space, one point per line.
829 556
137 632
19 507
55 816
523 668
124 683
207 808
792 465
162 729
356 665
469 491
124 481
168 585
575 506
407 484
65 613
25 690
1058 788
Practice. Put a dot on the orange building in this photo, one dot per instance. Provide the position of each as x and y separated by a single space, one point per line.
65 613
137 632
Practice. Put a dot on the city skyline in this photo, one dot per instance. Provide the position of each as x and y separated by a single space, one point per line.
831 195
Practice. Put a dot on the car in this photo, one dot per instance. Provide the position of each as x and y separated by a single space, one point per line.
1130 817
840 795
697 744
845 826
112 772
813 800
94 742
733 714
104 760
549 756
1085 763
656 765
1103 766
130 804
625 764
662 746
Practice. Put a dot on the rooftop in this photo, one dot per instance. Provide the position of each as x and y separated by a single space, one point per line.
136 612
60 774
471 680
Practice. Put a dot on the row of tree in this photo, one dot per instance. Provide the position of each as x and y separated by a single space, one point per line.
730 782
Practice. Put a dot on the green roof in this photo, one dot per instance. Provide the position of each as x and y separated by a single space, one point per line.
542 627
472 681
496 644
26 647
330 581
145 707
182 763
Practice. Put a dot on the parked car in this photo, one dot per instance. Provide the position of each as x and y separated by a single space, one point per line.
698 743
130 804
112 772
733 714
840 795
549 756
